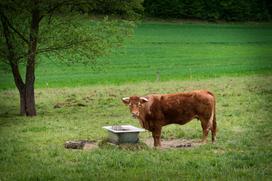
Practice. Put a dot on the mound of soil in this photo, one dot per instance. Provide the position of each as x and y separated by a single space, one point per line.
81 144
69 104
73 102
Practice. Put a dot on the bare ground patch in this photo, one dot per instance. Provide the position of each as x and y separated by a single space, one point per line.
90 146
174 143
146 144
82 144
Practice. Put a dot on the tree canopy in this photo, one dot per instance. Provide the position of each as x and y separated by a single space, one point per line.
65 26
61 29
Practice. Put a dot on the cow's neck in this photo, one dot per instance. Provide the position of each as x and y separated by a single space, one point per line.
142 120
145 111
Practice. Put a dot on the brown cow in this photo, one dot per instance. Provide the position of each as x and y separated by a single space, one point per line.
156 111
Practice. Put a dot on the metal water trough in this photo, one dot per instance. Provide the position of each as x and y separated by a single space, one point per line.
123 134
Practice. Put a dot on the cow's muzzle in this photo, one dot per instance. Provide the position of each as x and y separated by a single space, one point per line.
135 115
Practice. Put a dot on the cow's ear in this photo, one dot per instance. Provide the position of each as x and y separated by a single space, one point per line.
125 100
143 99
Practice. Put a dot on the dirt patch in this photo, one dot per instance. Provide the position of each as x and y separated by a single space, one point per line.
90 146
74 101
146 144
69 103
81 144
175 143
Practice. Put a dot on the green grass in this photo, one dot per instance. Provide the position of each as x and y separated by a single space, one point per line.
232 60
176 51
33 148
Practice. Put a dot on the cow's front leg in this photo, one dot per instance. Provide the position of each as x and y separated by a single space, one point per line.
156 133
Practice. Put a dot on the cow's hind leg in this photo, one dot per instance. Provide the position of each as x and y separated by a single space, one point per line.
205 130
214 129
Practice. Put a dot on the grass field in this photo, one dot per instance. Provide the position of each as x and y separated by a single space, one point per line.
176 51
232 60
32 149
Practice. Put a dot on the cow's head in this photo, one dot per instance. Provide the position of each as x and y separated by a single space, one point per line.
135 104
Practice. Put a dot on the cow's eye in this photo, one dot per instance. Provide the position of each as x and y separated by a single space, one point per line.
139 104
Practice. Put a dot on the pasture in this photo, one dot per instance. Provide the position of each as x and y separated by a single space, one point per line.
177 51
74 102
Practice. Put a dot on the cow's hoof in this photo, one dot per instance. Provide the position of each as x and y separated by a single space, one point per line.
158 147
203 141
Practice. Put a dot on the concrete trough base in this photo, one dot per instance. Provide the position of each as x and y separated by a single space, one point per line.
119 138
123 134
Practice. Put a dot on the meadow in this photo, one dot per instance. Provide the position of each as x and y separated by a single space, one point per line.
175 51
231 60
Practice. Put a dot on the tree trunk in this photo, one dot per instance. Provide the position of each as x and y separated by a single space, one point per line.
30 101
27 101
22 102
29 88
14 65
20 86
26 90
30 67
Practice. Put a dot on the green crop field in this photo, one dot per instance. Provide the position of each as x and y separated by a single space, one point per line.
174 51
234 61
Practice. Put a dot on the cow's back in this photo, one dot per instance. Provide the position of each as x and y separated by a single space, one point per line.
183 107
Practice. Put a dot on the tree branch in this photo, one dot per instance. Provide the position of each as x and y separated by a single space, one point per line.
58 5
16 31
67 46
11 55
42 16
4 55
54 8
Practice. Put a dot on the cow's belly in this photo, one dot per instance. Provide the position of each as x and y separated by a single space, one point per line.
180 117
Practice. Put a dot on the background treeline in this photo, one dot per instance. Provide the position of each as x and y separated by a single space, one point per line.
212 10
229 10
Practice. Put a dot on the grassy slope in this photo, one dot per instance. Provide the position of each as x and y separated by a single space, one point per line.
32 149
177 51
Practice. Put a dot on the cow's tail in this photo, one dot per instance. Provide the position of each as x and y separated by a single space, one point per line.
212 121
